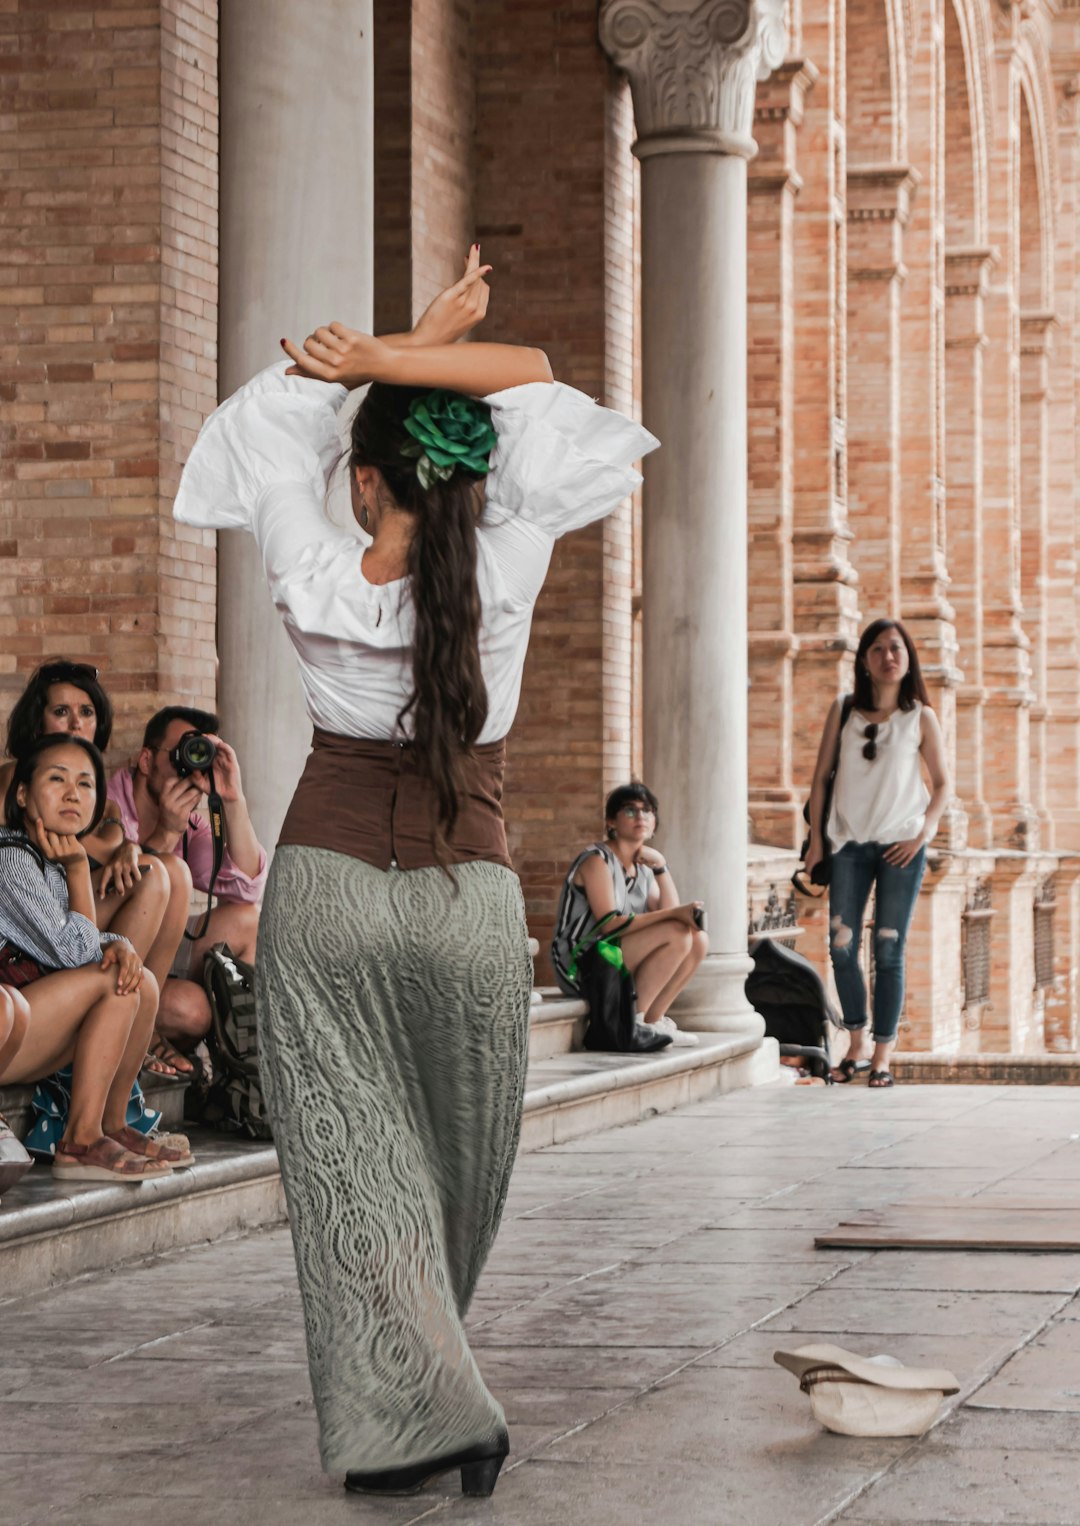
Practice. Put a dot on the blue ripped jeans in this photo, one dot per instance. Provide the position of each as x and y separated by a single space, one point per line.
856 870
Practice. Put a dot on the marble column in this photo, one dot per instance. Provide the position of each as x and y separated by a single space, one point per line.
296 219
692 70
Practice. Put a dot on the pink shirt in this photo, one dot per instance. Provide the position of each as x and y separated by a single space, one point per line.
196 846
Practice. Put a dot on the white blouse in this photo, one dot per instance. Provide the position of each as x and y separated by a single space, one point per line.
881 799
264 462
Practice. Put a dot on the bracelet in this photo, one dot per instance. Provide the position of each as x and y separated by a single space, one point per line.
659 869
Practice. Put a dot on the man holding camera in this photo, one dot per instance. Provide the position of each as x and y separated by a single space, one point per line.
159 802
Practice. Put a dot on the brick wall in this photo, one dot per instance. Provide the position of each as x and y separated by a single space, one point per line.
107 342
424 145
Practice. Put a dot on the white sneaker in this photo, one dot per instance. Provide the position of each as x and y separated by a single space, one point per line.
679 1038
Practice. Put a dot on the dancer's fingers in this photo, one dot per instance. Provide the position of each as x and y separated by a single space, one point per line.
327 337
320 351
303 365
473 278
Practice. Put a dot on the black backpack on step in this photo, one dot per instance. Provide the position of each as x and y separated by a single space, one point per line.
231 1097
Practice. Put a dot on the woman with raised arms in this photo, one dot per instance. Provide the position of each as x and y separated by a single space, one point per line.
393 969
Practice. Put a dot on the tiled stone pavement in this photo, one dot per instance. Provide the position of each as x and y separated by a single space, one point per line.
627 1319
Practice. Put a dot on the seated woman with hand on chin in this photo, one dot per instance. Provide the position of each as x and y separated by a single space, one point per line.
622 880
90 1000
143 898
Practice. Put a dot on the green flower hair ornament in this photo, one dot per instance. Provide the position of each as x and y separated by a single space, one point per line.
448 431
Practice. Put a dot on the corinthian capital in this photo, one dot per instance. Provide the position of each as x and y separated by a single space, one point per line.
693 65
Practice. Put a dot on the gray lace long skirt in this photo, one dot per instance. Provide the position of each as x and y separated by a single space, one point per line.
393 1028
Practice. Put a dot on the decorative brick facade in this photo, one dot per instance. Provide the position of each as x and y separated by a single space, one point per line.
108 292
913 418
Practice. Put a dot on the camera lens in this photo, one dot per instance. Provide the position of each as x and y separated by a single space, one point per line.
193 754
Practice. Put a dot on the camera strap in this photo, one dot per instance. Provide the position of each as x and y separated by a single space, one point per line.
217 832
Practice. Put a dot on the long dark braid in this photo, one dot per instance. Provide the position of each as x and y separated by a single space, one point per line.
449 704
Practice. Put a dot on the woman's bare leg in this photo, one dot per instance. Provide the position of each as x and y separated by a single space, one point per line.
14 1018
162 952
699 947
137 913
653 955
153 915
77 1016
114 1115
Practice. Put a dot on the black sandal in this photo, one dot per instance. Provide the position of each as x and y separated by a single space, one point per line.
881 1080
849 1069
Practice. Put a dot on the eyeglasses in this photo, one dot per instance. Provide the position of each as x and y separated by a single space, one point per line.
869 751
636 812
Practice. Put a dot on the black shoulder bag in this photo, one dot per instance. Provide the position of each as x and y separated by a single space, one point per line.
821 873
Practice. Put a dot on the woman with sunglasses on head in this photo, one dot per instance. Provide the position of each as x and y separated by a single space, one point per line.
621 881
394 979
880 741
143 897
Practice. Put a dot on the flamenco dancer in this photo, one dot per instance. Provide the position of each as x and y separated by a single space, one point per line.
393 968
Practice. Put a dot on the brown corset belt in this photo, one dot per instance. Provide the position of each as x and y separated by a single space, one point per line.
368 799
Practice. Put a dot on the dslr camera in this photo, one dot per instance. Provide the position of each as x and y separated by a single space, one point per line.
193 754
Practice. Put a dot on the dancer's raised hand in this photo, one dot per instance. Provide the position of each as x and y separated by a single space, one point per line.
458 309
338 354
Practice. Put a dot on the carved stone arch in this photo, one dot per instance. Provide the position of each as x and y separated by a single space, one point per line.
977 41
1037 100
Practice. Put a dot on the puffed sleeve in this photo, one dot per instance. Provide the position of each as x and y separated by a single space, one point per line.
275 431
561 460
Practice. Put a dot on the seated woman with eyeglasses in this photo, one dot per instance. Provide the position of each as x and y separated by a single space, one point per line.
879 741
143 898
624 880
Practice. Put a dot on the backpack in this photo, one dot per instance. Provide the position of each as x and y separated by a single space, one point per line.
231 1097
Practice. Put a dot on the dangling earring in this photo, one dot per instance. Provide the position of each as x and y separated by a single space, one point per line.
365 517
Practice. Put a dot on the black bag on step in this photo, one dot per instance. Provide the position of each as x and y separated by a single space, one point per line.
231 1097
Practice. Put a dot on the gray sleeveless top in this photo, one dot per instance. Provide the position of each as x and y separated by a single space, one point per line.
574 917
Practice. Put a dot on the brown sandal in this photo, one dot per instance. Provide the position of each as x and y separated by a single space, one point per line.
173 1149
105 1161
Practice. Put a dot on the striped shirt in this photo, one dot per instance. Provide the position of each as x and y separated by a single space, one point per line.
35 913
574 918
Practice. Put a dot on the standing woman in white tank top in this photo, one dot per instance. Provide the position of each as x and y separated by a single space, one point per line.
881 819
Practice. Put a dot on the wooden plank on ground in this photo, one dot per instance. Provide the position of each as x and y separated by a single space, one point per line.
960 1224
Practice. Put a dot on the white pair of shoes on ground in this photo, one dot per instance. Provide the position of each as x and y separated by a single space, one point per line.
679 1037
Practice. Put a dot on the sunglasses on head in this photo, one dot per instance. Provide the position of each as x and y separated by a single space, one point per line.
79 673
869 751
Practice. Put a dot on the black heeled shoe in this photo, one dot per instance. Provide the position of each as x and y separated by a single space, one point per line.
479 1466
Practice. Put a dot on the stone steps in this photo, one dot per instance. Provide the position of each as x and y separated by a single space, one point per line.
165 1096
51 1232
579 1093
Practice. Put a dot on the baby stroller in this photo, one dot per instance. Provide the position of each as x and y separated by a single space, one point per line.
790 995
